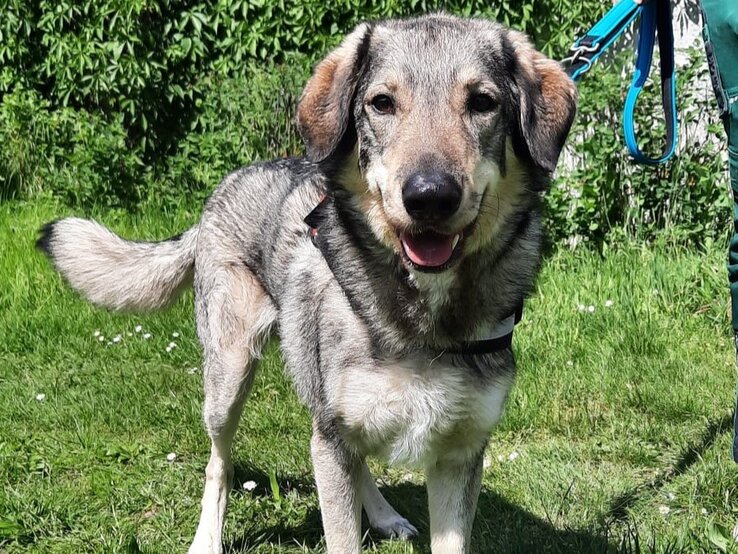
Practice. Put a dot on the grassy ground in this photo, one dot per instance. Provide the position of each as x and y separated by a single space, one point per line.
616 437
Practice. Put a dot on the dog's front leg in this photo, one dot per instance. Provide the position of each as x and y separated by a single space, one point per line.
336 474
453 489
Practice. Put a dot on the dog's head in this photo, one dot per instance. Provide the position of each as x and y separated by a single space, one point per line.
440 126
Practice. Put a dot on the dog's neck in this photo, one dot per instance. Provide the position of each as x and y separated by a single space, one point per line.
410 310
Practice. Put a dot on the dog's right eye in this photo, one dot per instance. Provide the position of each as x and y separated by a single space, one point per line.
383 104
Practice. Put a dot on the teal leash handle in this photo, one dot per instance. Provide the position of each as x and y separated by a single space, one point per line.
655 19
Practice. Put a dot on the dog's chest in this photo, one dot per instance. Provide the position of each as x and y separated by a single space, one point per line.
417 411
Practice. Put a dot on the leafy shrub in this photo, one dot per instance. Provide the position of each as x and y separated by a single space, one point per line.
241 120
121 102
604 192
147 60
75 155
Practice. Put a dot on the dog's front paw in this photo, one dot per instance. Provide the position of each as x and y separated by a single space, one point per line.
204 544
396 527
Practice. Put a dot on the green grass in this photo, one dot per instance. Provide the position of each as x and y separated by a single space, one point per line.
616 414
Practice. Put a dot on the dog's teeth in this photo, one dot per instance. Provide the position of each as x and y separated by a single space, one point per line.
456 240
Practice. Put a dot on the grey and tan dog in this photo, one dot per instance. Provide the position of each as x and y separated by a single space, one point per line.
433 139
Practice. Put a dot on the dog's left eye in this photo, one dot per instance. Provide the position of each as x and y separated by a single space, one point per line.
481 103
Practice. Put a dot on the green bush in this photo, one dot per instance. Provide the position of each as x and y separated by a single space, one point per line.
74 155
122 102
605 192
148 60
241 120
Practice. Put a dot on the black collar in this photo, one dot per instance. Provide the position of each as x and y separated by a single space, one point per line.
500 340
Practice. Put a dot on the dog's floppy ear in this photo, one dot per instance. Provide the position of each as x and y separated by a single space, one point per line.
548 100
324 111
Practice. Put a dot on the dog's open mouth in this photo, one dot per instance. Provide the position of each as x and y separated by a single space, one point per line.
430 251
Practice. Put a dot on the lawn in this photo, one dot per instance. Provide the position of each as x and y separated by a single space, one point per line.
616 437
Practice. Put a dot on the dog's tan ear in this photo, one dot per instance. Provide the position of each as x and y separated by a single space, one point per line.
548 100
324 111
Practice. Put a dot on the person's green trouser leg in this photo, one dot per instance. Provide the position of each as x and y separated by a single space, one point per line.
720 30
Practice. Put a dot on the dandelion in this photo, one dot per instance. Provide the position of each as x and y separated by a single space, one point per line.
609 303
664 510
513 456
249 486
40 397
171 457
96 334
147 336
137 328
591 309
117 338
175 334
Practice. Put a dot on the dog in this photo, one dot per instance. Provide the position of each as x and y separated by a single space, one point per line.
390 260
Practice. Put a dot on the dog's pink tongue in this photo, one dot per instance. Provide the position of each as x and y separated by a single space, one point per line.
428 249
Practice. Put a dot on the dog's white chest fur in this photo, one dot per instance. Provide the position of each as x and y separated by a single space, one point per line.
417 411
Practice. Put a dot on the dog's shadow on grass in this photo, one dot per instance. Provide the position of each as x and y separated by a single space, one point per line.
500 526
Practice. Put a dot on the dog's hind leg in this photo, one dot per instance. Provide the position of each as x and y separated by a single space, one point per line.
234 315
382 516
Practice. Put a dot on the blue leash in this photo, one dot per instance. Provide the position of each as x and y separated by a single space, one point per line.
655 20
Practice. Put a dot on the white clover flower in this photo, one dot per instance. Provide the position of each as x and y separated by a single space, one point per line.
96 334
590 309
192 370
137 328
664 510
117 338
609 303
582 308
168 349
40 397
175 334
249 486
703 511
500 457
101 338
129 334
147 336
172 345
171 457
569 363
513 456
671 496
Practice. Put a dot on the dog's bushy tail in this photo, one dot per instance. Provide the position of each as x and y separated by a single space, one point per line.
116 273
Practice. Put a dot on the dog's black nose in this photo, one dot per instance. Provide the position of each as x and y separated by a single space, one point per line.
431 195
